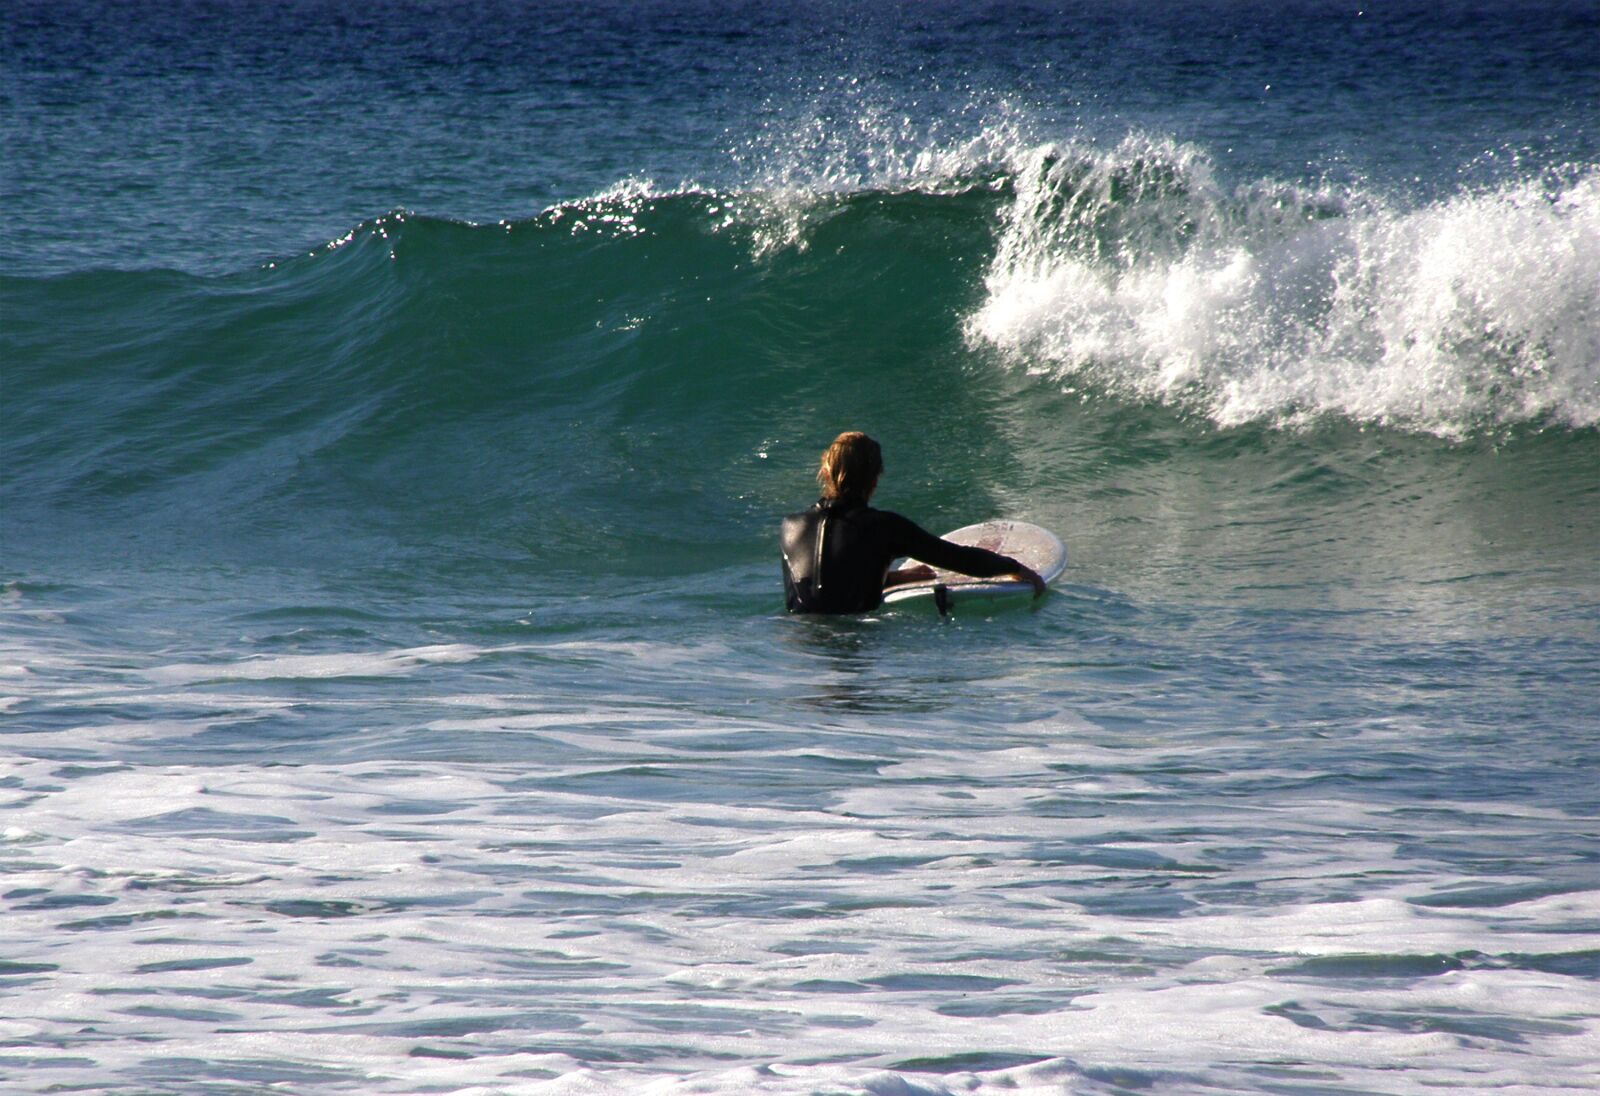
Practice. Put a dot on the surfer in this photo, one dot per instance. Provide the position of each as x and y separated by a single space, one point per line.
837 555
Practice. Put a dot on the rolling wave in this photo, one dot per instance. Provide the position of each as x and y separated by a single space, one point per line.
665 362
1137 272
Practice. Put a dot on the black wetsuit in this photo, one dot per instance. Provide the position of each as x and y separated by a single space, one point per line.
836 554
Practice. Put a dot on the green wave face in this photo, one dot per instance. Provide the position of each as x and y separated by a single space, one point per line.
644 380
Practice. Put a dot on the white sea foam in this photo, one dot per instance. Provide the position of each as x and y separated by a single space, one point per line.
261 668
629 894
331 922
1136 271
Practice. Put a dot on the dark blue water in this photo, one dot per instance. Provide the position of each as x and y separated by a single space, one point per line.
217 135
397 402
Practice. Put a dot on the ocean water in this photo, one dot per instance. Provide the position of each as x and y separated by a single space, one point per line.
397 404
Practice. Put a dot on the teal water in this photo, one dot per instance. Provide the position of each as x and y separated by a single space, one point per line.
397 403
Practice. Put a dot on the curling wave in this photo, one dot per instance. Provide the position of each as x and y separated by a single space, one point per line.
1138 273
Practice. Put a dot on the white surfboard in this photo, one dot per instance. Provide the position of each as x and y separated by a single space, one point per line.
1032 545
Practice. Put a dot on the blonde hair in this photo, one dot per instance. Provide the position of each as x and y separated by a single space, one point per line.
851 466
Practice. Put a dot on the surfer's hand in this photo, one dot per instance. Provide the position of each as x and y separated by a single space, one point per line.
1031 577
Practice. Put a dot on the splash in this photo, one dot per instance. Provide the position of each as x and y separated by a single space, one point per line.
802 166
1137 272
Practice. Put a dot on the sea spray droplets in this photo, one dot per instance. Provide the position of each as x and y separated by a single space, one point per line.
850 145
799 168
1135 271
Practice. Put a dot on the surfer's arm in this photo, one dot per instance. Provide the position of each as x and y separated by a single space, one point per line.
902 575
923 546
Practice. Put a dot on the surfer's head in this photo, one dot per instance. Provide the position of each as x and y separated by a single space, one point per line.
851 467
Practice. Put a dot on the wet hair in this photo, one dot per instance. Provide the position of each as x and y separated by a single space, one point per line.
851 467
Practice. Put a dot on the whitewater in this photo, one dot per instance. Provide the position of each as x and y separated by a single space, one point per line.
397 405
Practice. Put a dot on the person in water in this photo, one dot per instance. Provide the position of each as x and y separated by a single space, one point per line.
837 555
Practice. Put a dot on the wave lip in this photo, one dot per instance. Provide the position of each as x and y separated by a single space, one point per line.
1136 272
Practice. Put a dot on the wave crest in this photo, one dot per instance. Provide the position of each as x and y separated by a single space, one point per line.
1136 272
